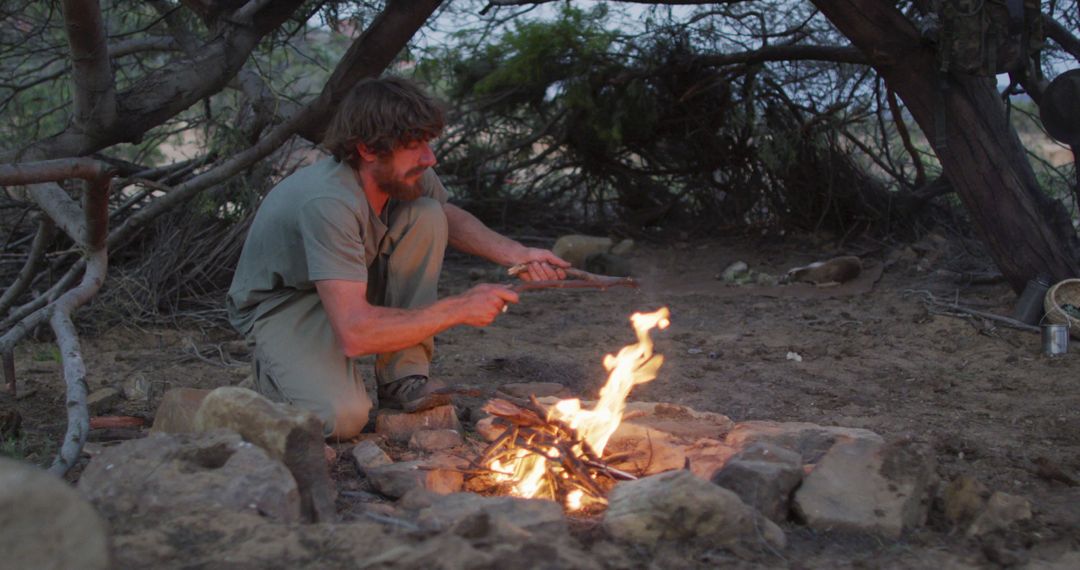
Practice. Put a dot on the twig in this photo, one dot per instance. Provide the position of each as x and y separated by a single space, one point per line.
1009 322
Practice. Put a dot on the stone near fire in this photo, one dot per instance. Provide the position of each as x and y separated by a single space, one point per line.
397 479
165 474
763 476
100 401
866 486
289 434
176 413
539 389
435 512
1001 511
44 523
399 426
431 440
679 506
368 455
809 440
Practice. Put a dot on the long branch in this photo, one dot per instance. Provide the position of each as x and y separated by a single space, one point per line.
67 339
92 75
42 238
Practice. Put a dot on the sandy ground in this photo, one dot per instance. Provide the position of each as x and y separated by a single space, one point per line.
872 356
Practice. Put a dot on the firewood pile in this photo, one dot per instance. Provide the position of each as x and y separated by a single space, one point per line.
572 472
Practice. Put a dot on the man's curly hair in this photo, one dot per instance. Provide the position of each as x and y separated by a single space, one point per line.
383 113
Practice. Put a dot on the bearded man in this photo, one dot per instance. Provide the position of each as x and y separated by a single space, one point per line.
343 259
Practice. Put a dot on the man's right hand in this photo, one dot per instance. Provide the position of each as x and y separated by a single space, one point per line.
480 305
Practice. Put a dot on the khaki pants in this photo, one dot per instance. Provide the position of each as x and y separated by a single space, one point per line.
297 357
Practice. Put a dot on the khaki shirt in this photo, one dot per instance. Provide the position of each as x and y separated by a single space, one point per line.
314 225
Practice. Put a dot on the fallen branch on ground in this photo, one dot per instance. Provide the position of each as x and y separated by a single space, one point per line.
931 300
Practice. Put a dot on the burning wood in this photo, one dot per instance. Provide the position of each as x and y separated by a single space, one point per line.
556 453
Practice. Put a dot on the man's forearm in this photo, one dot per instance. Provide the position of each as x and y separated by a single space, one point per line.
385 329
470 235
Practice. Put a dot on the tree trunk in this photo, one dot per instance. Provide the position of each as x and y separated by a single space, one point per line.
1027 232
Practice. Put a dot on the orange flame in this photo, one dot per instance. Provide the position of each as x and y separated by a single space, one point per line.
635 364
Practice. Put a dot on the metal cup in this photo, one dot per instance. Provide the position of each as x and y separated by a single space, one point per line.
1055 339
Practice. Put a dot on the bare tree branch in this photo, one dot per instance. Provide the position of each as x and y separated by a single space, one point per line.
1061 35
95 91
369 55
162 94
42 238
839 54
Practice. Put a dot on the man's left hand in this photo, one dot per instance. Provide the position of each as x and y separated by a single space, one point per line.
542 265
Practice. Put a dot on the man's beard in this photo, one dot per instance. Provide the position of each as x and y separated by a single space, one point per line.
398 188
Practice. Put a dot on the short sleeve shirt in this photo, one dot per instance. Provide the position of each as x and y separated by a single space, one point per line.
314 225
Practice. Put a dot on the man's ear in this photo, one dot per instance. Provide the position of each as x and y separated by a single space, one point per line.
366 154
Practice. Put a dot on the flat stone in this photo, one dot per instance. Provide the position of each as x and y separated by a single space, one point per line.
176 413
763 476
165 474
865 486
100 401
397 479
435 440
531 515
399 426
679 506
1001 511
45 523
367 455
288 434
812 441
539 389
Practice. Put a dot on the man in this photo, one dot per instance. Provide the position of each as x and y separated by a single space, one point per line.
343 258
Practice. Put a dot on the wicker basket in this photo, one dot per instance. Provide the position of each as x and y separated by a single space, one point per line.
1065 292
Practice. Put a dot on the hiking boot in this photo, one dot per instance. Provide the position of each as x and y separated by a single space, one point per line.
412 394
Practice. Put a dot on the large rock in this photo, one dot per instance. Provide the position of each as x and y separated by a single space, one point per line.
763 476
811 441
176 413
575 248
400 426
289 434
435 512
866 486
168 473
397 479
45 524
679 506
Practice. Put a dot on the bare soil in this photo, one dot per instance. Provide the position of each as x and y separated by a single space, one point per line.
869 356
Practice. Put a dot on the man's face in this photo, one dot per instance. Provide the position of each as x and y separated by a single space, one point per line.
398 173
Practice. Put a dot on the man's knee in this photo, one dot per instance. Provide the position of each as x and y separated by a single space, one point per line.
347 419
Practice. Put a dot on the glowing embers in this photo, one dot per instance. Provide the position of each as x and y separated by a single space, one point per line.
556 452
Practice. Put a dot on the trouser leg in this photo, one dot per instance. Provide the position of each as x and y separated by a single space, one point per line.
406 276
298 361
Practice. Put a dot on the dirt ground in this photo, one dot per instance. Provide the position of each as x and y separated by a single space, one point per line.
872 357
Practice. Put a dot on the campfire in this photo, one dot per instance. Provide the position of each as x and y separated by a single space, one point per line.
556 452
